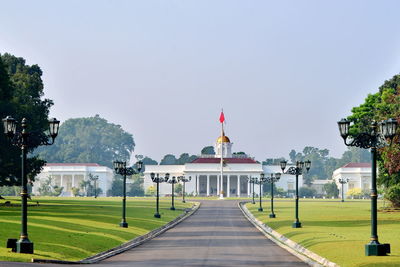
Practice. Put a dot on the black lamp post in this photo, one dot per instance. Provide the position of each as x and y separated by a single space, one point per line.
260 181
22 140
252 181
183 179
173 181
376 138
274 177
343 181
298 170
120 168
156 178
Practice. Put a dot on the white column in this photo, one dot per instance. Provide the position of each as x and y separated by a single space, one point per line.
197 184
73 181
238 185
218 185
208 185
62 180
248 186
228 185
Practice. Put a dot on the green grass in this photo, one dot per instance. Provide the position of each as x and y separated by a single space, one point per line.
76 228
335 230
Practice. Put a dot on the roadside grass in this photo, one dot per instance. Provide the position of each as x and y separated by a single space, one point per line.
335 230
76 228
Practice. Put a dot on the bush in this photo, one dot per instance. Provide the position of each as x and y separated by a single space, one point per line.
354 193
393 195
151 191
307 192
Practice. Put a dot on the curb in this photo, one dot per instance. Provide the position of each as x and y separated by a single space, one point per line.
130 244
294 248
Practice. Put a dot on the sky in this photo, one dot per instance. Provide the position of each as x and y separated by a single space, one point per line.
284 72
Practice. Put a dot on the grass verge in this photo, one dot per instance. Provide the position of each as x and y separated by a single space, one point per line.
76 228
335 230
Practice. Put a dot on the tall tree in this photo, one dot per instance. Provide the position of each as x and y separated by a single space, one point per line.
92 139
21 96
380 106
169 159
208 150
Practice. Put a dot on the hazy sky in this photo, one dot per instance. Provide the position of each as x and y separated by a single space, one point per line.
283 71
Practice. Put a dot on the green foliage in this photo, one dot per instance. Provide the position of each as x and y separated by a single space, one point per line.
21 96
89 140
380 106
273 161
208 150
9 190
393 195
136 188
331 190
170 159
116 187
178 188
75 191
307 192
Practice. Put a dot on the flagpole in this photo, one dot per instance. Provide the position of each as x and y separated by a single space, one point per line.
221 195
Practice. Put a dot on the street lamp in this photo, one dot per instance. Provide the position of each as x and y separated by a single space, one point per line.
156 178
120 168
22 140
95 179
252 180
183 179
343 181
173 181
374 139
273 178
298 170
260 181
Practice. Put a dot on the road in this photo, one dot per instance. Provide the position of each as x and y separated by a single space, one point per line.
216 235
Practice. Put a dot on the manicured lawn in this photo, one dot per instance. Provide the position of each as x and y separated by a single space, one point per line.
335 230
76 228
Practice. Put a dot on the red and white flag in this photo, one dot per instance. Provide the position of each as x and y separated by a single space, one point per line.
221 117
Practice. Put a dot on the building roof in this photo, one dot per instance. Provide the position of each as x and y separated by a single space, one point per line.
223 139
357 165
227 160
73 164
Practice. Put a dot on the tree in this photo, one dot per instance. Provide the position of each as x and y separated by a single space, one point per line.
151 191
178 188
331 190
380 106
92 139
21 96
136 188
185 158
169 159
116 187
307 192
208 150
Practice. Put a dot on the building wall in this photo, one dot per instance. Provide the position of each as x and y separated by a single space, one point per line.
358 178
287 181
69 176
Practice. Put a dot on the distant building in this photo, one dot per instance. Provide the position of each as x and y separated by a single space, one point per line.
205 173
287 181
359 175
69 175
318 185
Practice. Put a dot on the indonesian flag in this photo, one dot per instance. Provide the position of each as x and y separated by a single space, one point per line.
221 117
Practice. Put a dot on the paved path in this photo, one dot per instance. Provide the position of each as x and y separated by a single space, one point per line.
216 235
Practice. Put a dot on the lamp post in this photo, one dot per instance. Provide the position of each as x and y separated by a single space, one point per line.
298 170
120 168
260 181
252 181
22 140
374 139
343 181
173 181
183 179
274 177
156 178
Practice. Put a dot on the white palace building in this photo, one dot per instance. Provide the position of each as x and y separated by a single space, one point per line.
205 173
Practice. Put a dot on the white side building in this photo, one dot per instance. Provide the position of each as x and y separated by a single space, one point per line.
69 175
359 175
